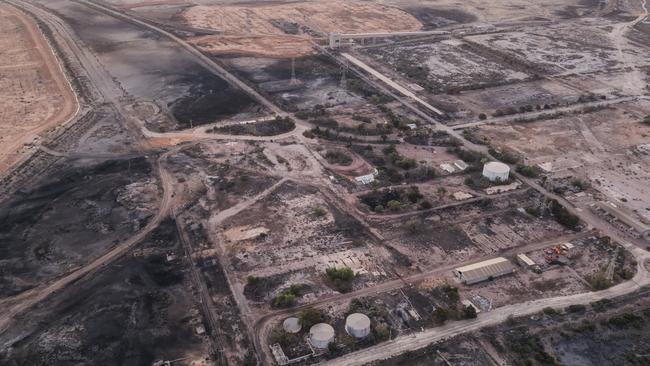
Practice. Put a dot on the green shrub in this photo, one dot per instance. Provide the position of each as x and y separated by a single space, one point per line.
287 298
563 216
310 316
528 171
381 332
341 278
394 205
576 308
319 211
599 281
253 280
440 315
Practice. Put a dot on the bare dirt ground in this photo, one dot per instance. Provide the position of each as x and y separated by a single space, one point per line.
35 95
601 147
282 30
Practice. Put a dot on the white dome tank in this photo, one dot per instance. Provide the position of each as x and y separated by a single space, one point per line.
357 325
291 325
496 171
321 335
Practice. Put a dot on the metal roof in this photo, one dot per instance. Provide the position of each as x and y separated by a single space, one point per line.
490 267
526 259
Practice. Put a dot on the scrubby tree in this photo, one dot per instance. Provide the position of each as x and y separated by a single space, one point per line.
440 315
381 332
309 317
341 278
469 312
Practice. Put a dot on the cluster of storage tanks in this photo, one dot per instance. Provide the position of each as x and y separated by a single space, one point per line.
322 334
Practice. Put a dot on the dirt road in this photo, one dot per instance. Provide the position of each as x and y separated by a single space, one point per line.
416 341
29 298
265 323
204 60
64 112
634 78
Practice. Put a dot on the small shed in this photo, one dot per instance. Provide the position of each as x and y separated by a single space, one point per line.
525 261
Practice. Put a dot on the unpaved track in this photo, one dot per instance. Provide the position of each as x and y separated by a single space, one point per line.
111 93
204 60
264 324
634 79
69 106
416 341
27 299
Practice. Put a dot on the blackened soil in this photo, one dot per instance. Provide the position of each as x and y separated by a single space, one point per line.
72 217
126 315
208 99
149 66
433 18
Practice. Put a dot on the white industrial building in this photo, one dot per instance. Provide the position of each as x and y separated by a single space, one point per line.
321 335
483 271
357 325
496 171
291 325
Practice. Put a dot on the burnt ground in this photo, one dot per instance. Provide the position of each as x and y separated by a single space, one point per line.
319 80
134 312
221 179
462 350
74 214
609 332
150 67
434 18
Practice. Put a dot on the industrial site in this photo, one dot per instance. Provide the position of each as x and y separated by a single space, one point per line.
270 182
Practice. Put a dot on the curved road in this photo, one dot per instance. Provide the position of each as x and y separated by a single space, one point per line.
29 298
399 345
419 340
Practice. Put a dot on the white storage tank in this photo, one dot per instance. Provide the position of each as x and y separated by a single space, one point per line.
495 170
357 325
291 325
321 335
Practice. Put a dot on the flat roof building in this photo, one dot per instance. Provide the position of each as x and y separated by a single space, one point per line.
525 260
483 271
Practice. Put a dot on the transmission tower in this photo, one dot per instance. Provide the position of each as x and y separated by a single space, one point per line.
294 80
344 70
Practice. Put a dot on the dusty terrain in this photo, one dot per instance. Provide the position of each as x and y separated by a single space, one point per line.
35 93
229 169
284 30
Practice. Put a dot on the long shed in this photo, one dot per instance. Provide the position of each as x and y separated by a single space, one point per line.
483 271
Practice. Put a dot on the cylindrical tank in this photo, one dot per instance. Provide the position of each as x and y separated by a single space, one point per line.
357 325
291 325
321 335
496 171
